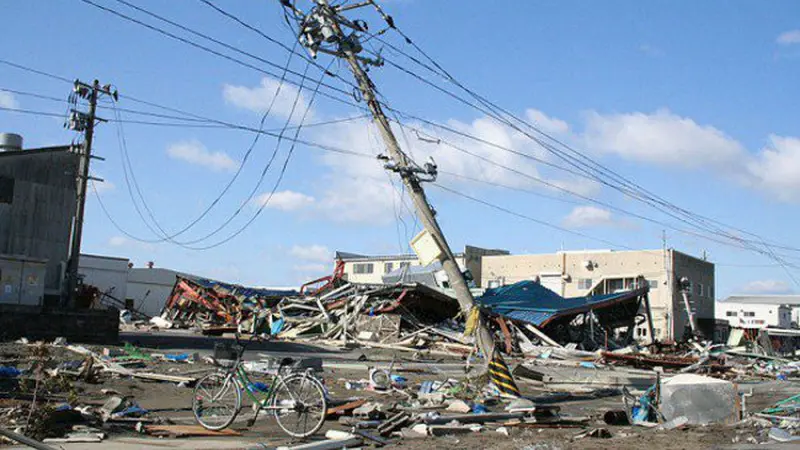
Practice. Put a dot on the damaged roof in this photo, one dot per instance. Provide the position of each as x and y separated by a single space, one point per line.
529 301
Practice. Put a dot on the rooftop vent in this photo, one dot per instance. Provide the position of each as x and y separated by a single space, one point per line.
10 142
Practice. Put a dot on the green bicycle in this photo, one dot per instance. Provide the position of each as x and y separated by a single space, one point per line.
296 400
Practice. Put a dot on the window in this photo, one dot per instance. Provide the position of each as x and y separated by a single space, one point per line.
387 267
749 314
653 284
699 289
616 285
6 190
403 265
363 268
584 283
730 313
711 292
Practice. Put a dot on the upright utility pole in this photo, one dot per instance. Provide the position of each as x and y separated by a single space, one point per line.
321 31
82 122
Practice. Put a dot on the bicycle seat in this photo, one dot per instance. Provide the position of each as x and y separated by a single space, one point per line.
287 361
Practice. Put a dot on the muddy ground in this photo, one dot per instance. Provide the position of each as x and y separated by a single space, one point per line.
173 402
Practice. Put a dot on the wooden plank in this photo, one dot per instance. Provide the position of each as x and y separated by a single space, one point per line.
545 338
347 406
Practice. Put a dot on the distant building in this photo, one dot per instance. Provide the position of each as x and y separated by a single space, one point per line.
37 206
593 272
143 289
371 269
760 311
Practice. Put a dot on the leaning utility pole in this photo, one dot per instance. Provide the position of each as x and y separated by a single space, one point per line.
82 122
321 31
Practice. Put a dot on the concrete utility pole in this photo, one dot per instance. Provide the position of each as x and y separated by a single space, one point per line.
321 31
82 122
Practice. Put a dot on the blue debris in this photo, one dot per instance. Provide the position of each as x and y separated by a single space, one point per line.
257 387
477 408
9 372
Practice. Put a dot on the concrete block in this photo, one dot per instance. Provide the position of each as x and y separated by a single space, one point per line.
702 400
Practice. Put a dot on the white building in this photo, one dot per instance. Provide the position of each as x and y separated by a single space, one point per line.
371 269
143 289
760 311
595 272
107 273
149 288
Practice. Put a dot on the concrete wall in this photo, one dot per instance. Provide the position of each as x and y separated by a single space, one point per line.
41 184
109 274
22 280
473 260
579 273
35 323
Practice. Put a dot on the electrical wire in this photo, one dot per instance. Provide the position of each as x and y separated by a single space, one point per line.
265 202
627 187
526 217
220 54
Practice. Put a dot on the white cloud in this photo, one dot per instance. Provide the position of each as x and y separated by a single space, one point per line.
283 98
546 123
315 252
767 287
588 216
194 152
662 138
7 100
117 241
285 200
789 37
776 169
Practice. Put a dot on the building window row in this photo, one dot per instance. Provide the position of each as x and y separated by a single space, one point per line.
363 268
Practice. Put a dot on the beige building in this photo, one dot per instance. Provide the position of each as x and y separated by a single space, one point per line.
371 269
593 272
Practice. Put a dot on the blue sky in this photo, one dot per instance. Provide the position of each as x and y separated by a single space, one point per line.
695 102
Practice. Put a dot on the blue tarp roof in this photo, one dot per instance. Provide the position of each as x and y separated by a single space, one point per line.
529 301
248 292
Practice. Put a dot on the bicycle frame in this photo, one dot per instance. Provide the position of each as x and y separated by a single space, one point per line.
238 375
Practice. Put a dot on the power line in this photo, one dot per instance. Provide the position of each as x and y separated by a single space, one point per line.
234 126
625 189
264 203
526 217
628 188
238 170
215 52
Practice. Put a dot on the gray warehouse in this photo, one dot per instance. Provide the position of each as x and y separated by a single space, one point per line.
37 207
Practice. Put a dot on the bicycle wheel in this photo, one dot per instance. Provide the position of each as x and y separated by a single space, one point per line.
217 400
299 405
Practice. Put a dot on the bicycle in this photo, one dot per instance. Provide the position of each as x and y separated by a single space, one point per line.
296 400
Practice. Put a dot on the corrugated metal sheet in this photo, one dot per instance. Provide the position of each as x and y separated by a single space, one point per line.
531 302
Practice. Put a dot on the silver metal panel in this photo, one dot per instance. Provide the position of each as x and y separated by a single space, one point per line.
10 274
32 284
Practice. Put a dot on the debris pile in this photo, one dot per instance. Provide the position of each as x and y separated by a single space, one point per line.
214 307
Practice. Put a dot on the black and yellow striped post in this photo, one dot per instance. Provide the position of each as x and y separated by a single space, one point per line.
501 377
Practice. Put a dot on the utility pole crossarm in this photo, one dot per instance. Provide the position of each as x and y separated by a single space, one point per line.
321 31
